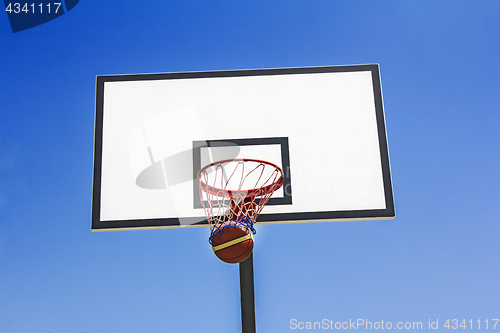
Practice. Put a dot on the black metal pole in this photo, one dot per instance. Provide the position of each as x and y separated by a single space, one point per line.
247 296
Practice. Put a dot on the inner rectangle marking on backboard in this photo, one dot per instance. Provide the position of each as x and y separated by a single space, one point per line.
274 150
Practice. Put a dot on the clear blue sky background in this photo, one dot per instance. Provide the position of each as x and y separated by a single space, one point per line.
438 260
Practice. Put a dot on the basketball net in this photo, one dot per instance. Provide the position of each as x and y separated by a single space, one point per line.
234 192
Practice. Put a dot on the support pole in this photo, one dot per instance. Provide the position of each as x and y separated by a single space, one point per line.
247 296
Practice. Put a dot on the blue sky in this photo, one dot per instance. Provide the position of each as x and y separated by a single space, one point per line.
437 260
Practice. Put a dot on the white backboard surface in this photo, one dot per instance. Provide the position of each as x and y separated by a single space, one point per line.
324 126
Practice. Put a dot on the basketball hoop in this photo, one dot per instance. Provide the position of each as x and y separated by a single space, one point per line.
234 192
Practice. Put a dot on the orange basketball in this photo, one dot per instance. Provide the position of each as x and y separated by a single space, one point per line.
234 244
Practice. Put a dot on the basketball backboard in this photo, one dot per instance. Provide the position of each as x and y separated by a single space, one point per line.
324 126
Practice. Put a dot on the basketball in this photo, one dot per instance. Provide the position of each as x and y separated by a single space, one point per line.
234 244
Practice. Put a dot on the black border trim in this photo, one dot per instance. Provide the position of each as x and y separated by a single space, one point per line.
387 213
